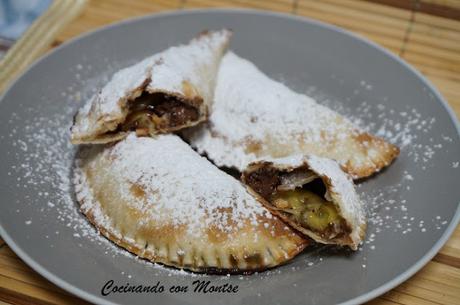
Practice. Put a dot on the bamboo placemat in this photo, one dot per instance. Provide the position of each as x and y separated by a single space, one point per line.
426 33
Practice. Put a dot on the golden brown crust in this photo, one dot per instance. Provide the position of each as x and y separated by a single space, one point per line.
387 153
253 265
100 139
140 215
104 128
186 73
254 117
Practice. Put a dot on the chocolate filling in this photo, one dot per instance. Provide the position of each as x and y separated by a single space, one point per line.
264 181
152 112
314 210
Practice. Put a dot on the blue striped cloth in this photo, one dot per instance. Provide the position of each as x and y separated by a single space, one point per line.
17 15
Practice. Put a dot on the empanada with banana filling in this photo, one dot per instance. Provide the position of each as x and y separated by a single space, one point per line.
254 117
313 195
159 199
165 92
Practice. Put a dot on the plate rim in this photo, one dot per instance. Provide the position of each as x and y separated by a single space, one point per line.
80 293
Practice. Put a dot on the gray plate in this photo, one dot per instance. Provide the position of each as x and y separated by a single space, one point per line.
413 205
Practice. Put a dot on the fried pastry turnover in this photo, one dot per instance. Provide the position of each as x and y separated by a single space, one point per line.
162 93
254 117
159 199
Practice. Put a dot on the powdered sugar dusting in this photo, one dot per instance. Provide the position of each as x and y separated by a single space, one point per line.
195 64
254 117
237 118
187 178
45 157
403 128
387 206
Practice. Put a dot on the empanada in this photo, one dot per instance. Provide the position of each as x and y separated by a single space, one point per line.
165 92
313 195
162 201
254 117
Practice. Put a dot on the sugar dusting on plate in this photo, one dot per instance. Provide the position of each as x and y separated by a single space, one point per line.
46 156
387 210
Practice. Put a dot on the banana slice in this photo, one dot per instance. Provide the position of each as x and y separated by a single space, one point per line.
310 209
313 195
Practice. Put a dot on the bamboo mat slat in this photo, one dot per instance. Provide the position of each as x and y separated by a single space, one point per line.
445 3
434 284
99 13
382 24
450 253
433 46
19 284
17 292
382 302
437 40
448 256
444 8
14 269
285 6
424 38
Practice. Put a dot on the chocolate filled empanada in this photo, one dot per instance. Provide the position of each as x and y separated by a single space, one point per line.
165 92
159 199
313 195
254 117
